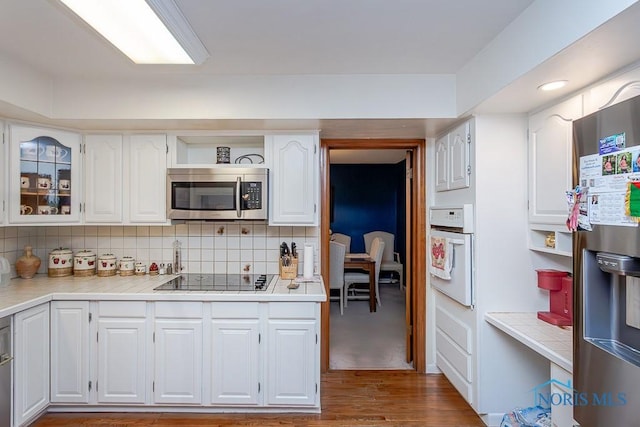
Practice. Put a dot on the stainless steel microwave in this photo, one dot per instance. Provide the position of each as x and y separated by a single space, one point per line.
218 193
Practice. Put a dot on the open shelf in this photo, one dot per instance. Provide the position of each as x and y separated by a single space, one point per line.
200 151
552 239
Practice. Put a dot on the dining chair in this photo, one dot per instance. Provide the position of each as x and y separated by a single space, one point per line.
390 259
342 238
351 278
336 270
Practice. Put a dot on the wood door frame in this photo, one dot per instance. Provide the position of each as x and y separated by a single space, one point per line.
419 255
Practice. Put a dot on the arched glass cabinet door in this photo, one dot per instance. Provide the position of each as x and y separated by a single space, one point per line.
44 181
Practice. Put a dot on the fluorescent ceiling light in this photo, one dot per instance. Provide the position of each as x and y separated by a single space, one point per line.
148 32
553 85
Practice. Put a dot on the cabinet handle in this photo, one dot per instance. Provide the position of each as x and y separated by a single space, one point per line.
5 358
238 210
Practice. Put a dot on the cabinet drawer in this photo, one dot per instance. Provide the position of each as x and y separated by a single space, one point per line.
235 310
463 386
457 357
454 329
182 310
292 310
122 308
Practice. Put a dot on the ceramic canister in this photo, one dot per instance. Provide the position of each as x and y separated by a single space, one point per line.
107 265
127 266
84 263
141 269
60 262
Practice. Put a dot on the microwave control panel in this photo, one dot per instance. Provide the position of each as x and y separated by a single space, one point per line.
251 195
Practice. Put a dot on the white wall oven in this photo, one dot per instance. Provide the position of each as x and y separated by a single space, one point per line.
451 252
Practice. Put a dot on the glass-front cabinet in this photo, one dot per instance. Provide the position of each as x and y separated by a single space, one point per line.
44 178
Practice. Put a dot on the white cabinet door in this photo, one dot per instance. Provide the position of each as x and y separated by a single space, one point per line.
103 179
291 362
178 361
4 163
147 175
121 359
452 161
44 176
70 351
235 349
613 91
31 363
561 413
442 163
550 142
459 141
294 182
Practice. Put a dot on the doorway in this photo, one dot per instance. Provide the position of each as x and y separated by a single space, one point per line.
415 246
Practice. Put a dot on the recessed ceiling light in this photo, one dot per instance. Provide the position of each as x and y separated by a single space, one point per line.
553 85
148 32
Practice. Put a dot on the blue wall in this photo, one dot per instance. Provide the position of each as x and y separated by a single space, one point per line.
368 198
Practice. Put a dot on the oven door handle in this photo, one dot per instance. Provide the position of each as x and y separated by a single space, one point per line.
238 197
5 358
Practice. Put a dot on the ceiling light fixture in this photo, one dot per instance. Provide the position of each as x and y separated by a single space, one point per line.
553 85
148 32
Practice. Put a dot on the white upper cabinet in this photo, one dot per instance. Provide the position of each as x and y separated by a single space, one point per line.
611 92
147 176
442 163
103 179
293 162
550 142
44 175
452 167
3 173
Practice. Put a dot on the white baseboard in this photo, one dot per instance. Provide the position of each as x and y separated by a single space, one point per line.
433 369
492 420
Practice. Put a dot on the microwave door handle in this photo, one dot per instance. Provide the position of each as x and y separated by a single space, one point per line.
238 198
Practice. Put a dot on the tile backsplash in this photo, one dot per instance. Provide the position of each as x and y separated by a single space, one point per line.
206 247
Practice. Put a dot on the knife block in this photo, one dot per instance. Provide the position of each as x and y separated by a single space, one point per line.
289 272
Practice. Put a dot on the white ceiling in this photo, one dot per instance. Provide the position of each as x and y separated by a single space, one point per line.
312 37
254 37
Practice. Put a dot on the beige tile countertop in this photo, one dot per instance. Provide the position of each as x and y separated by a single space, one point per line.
20 294
553 342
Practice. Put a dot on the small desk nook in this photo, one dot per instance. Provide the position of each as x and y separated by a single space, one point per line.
555 343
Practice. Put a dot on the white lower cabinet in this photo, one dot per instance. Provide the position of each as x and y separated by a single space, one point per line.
31 363
235 350
246 354
178 352
561 411
70 352
292 354
122 351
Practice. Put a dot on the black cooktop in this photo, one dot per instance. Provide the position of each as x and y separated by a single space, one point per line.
218 282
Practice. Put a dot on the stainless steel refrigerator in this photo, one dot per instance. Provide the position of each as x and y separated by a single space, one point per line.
606 261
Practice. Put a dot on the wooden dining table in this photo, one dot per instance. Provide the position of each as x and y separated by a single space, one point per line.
366 263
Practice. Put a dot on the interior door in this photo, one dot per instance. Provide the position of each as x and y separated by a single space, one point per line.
408 314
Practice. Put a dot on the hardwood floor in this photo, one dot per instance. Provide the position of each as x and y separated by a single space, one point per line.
349 398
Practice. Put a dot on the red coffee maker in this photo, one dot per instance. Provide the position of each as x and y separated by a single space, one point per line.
560 287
